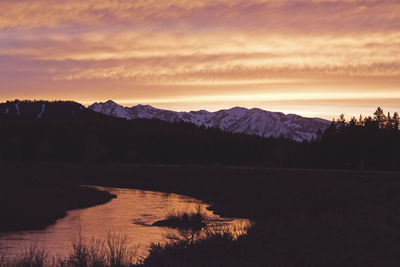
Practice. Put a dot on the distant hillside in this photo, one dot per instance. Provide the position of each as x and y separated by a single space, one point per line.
46 110
236 120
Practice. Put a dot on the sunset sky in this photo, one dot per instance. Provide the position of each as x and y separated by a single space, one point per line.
314 58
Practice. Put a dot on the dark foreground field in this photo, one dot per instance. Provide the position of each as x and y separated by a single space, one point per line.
33 197
302 217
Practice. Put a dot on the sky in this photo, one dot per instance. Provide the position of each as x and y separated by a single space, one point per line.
316 58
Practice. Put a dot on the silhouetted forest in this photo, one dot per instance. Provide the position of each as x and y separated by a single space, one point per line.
67 132
367 143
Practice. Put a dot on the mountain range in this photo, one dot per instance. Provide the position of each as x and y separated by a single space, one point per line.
236 120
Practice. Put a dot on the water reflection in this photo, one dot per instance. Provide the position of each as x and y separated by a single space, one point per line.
131 213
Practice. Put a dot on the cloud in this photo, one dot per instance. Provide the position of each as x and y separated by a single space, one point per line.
151 48
207 58
278 15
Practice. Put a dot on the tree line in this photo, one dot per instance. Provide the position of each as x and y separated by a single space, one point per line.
372 142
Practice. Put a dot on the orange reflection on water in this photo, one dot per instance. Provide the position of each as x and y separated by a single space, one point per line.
131 213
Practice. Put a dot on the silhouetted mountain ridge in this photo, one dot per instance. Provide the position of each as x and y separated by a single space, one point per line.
47 110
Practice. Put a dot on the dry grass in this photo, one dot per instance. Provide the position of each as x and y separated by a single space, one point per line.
113 251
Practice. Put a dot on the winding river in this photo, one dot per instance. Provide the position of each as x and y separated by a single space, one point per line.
131 213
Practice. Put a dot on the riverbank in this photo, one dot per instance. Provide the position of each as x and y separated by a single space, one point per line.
34 197
302 217
256 193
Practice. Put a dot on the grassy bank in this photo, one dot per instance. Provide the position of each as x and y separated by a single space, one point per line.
112 251
33 197
257 193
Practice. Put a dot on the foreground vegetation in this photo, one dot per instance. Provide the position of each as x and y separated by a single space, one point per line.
113 251
194 221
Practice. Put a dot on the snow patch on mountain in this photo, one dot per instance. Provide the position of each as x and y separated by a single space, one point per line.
236 120
39 116
17 108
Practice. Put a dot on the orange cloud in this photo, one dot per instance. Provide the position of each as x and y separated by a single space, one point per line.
272 15
184 51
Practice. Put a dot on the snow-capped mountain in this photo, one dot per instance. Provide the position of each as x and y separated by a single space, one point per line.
236 120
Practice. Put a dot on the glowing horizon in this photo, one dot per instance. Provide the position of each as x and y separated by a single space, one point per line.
313 58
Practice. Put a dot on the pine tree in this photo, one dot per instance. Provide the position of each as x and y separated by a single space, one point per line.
380 117
396 120
353 122
361 120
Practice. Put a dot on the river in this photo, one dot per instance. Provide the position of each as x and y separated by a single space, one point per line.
131 213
